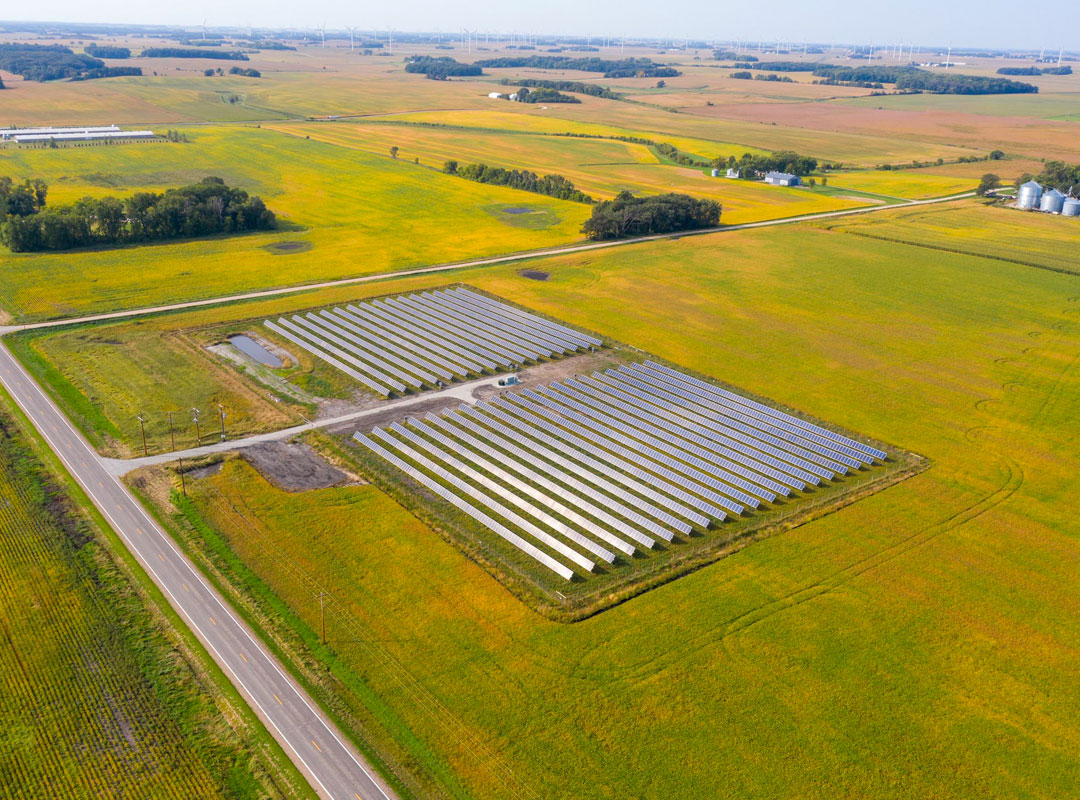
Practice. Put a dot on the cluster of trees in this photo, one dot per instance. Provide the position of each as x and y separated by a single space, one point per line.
107 51
752 166
620 68
577 87
1055 175
440 68
247 73
550 185
1033 71
48 62
741 75
905 78
268 44
202 209
773 77
730 55
543 95
989 183
21 199
672 153
627 215
186 52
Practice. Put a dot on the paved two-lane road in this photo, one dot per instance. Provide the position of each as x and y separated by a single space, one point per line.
332 766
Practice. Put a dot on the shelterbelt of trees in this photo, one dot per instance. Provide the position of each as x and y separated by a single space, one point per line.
627 216
1055 175
202 209
905 78
577 87
50 62
1065 70
620 68
752 166
187 52
440 68
550 185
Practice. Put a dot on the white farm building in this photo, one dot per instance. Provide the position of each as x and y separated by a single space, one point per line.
782 179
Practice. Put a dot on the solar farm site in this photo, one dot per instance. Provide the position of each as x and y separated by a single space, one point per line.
410 343
598 484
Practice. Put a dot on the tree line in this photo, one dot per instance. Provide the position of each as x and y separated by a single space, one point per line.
187 52
107 51
440 68
576 87
905 78
1033 71
751 165
49 62
543 95
620 68
202 209
551 185
628 215
1055 175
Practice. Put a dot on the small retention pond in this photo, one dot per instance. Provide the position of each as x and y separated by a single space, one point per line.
249 347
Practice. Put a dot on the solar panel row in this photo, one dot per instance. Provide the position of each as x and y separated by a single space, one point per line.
414 341
595 467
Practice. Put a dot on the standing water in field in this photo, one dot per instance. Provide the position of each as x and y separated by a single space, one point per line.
249 347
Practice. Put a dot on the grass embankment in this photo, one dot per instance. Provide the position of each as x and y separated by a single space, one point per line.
360 213
920 642
102 698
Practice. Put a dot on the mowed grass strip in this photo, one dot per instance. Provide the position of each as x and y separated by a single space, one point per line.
360 213
919 642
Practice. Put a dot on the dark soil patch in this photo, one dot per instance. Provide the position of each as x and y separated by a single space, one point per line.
205 472
293 467
287 248
534 274
518 210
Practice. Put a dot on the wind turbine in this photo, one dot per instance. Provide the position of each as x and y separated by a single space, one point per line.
204 29
322 31
351 31
468 38
948 58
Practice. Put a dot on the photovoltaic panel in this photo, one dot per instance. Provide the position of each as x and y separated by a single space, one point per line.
456 500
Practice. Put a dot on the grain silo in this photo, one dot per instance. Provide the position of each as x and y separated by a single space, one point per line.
1052 202
1071 208
1029 196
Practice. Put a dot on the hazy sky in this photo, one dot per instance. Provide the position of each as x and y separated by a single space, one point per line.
991 23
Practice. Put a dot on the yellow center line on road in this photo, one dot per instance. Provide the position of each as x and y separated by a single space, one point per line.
186 589
279 700
357 795
161 557
244 657
212 620
100 485
139 531
316 745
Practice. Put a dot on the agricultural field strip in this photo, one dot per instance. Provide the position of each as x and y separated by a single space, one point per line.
310 739
663 435
480 262
423 339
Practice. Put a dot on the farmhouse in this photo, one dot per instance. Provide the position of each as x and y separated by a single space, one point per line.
782 179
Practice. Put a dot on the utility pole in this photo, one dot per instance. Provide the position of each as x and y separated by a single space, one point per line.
198 433
172 432
183 483
142 427
221 411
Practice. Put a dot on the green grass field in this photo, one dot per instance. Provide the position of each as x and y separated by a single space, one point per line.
97 701
916 643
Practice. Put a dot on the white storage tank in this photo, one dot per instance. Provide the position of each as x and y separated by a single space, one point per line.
1029 195
1071 208
1052 202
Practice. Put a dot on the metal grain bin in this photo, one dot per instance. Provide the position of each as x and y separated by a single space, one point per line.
1052 202
1029 196
1071 208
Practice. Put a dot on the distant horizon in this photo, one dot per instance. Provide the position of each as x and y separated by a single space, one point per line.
962 24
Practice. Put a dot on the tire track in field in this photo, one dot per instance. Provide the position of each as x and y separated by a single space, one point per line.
1013 482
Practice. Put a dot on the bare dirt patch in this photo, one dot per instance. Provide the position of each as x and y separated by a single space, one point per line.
287 248
552 371
534 274
293 467
870 201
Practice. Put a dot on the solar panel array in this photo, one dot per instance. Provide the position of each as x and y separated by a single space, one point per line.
410 342
590 469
